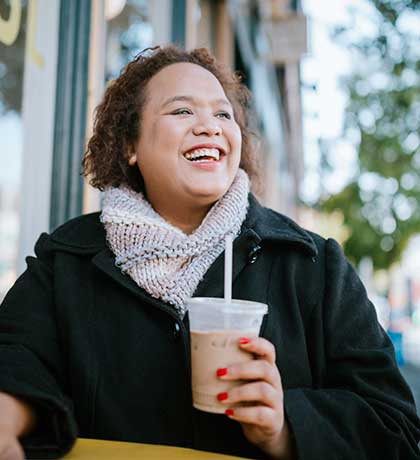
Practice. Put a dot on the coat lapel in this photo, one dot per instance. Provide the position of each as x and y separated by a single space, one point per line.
105 262
212 285
276 227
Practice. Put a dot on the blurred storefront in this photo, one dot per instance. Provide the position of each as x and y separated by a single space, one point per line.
56 58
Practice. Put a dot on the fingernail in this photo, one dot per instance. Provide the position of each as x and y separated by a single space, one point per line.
244 340
222 371
222 396
229 412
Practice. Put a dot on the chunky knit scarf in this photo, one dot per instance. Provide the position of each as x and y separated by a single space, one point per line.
161 258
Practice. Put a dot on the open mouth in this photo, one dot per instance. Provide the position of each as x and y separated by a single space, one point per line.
204 155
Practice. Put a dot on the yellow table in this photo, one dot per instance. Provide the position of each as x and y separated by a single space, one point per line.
92 449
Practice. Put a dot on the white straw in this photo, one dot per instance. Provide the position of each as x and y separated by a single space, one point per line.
228 268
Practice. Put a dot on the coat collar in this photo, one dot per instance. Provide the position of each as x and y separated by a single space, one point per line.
271 225
86 234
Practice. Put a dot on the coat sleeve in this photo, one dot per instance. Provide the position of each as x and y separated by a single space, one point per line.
32 364
363 409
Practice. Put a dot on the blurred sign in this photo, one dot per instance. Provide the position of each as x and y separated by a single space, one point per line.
275 9
9 28
287 39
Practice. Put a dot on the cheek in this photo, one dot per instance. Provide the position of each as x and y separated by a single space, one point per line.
236 139
159 144
169 132
162 132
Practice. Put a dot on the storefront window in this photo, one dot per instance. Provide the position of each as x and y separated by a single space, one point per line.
129 31
12 52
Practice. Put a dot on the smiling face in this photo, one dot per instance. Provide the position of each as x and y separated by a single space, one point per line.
189 147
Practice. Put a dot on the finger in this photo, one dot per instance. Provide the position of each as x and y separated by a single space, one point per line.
262 416
252 370
260 347
261 393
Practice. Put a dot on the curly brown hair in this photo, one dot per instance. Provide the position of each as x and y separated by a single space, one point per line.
118 117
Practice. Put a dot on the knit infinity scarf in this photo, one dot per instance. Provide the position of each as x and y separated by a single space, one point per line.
161 258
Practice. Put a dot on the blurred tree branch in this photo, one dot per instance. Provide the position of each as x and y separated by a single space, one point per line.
380 205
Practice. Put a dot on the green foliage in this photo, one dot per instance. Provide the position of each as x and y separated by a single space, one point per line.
380 205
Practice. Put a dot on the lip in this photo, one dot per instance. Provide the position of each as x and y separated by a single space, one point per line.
206 166
206 146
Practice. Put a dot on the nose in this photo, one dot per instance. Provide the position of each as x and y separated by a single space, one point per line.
207 127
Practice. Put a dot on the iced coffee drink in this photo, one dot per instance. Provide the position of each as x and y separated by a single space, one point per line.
215 331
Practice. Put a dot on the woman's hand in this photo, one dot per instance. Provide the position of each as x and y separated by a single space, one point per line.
17 418
10 448
263 421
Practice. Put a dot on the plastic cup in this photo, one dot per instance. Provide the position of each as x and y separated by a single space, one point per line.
215 328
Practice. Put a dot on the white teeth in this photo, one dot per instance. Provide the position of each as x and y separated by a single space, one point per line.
213 153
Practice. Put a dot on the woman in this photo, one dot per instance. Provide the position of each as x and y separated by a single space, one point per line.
94 335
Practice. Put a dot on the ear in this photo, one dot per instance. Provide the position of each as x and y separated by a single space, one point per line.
132 155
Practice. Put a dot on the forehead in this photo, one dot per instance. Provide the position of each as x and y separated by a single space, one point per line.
184 78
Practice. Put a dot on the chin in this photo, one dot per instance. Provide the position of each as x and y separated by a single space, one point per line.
208 191
208 195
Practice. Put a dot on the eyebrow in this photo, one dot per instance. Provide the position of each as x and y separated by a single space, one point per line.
192 99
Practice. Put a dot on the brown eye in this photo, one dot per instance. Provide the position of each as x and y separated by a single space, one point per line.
182 112
224 115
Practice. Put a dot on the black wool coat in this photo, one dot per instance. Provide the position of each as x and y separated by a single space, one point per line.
100 358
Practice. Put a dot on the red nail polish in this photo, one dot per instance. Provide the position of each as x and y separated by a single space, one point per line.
244 340
229 412
222 396
222 371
